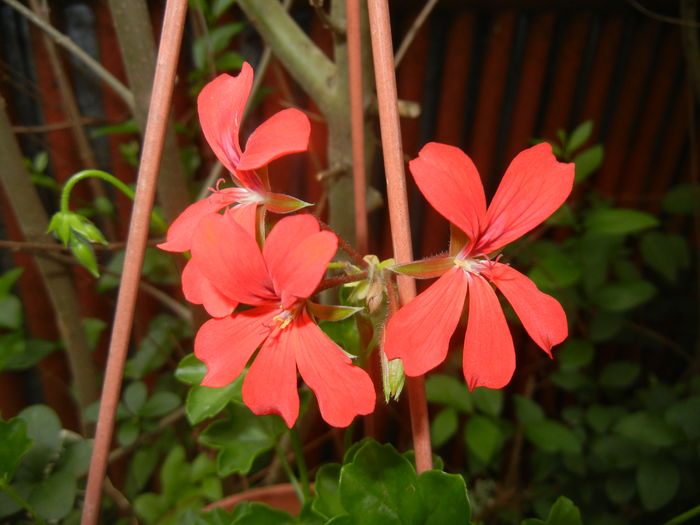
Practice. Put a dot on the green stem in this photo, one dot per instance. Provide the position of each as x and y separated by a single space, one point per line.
21 501
682 518
301 462
126 190
290 474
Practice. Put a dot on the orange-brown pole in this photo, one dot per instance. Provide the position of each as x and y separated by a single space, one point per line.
380 30
161 96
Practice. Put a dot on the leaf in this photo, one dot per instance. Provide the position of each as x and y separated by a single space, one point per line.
647 428
579 136
555 271
587 162
681 199
575 353
219 7
551 436
53 498
135 396
483 437
190 370
619 374
600 417
256 513
204 402
160 404
443 427
604 326
563 512
327 488
93 330
43 428
444 497
684 415
75 458
618 221
666 253
527 410
623 295
8 280
449 391
658 481
620 488
380 487
488 400
14 443
128 432
10 312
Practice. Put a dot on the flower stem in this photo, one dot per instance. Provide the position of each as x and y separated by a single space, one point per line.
99 174
346 246
682 518
337 281
21 501
290 474
301 462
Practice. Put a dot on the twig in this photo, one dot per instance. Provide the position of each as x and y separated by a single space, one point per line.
346 246
164 423
662 18
326 20
65 42
337 281
56 126
413 30
28 246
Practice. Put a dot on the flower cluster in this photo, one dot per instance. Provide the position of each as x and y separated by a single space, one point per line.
234 264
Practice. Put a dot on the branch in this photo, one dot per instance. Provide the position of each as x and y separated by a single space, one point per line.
65 42
309 66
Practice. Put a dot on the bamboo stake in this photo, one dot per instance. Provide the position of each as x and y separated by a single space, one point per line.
156 125
380 30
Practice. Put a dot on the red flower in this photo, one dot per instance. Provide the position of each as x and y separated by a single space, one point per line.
220 105
277 282
533 187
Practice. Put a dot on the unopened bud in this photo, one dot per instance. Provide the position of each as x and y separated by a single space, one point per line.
393 377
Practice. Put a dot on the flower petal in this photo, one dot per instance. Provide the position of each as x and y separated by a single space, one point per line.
419 333
343 390
200 290
225 345
297 256
270 386
229 256
220 105
534 186
284 132
489 356
180 232
541 314
245 215
450 182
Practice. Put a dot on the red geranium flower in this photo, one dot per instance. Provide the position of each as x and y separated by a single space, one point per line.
277 282
220 105
533 187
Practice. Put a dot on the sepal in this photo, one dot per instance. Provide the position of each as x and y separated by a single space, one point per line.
331 313
281 203
393 377
426 268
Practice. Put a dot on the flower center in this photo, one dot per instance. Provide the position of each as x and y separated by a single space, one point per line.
470 265
287 315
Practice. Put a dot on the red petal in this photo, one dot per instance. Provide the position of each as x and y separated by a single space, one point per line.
245 215
342 389
229 256
179 236
200 290
225 345
451 184
534 186
297 255
419 333
489 357
542 315
284 132
220 105
270 386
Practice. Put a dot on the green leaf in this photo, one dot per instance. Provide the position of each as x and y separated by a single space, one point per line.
563 512
623 296
575 353
75 458
488 401
156 347
380 487
219 7
241 438
666 253
327 488
600 417
10 312
160 404
579 136
620 488
190 370
8 280
647 428
53 498
483 437
658 481
555 271
604 326
343 333
93 330
444 497
128 432
619 221
43 428
681 199
128 127
14 443
260 514
135 396
620 374
551 436
204 402
527 410
449 391
443 427
684 415
588 161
